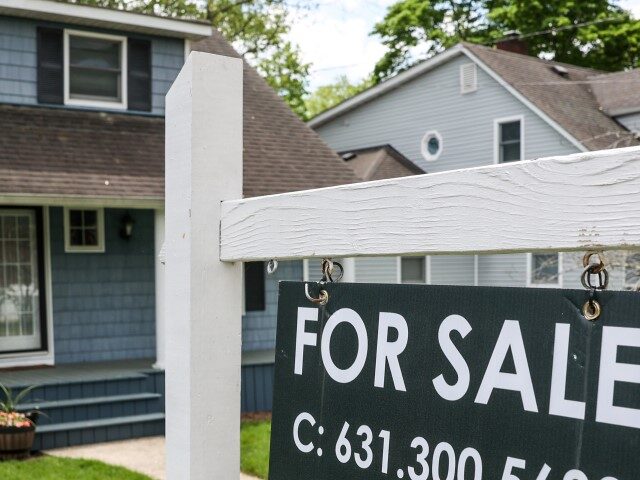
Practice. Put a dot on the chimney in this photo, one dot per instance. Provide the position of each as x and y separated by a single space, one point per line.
512 42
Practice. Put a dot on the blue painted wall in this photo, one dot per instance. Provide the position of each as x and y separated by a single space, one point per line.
18 62
104 303
259 328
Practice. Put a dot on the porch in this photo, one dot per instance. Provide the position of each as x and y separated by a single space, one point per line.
92 402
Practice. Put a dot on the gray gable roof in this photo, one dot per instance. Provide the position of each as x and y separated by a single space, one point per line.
567 98
562 96
618 93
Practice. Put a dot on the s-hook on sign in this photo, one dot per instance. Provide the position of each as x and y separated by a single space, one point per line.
455 383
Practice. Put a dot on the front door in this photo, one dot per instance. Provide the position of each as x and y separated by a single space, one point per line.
22 325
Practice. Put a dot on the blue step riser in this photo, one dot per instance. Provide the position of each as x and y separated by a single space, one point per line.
78 413
55 392
70 438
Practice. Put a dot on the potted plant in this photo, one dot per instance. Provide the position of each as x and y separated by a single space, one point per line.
17 429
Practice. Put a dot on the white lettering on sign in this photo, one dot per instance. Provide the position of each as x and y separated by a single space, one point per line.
558 404
344 315
388 352
612 372
303 417
459 389
302 336
510 339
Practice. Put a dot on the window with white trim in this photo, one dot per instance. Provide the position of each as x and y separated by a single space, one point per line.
413 270
95 69
544 269
84 230
468 78
509 140
431 146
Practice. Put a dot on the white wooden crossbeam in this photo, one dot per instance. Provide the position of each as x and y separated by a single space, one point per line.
576 202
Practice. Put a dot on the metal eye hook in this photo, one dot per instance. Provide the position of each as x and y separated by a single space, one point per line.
322 299
272 266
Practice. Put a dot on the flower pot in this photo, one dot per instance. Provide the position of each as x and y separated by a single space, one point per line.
16 442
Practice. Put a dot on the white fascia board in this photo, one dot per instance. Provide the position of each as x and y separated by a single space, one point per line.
105 18
384 87
555 125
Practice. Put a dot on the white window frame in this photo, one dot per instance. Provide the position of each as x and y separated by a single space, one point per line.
463 89
530 283
100 248
122 104
496 135
424 148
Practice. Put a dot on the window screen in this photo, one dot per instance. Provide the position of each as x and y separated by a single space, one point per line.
84 230
510 141
545 269
413 270
95 68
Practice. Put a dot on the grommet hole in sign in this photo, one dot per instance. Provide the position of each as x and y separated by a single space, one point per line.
593 270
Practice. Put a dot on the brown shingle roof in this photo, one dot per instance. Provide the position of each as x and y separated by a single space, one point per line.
377 163
619 92
64 152
566 99
281 153
58 152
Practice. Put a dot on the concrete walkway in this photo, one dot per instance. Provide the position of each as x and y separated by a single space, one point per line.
144 455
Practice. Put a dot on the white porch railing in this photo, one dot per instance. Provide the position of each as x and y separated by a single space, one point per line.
578 202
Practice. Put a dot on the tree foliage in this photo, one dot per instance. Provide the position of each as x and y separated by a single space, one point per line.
256 28
598 34
332 94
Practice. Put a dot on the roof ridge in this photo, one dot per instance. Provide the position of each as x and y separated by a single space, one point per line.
532 58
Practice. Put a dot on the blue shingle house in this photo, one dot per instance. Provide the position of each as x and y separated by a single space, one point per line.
82 212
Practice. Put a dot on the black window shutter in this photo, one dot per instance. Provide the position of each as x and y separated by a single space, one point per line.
50 66
254 286
139 75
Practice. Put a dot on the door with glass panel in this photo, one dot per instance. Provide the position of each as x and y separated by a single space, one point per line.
21 292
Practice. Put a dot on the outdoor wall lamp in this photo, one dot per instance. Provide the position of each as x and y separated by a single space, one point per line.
126 226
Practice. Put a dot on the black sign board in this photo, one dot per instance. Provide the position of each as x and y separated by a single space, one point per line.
455 383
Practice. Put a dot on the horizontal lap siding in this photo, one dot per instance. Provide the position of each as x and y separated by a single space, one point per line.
18 72
466 122
631 121
376 269
502 270
452 270
433 102
104 303
259 327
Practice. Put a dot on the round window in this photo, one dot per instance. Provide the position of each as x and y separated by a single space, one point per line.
431 146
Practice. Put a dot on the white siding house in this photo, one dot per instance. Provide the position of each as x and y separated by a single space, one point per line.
472 106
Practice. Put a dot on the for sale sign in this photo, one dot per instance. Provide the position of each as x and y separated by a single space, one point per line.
455 383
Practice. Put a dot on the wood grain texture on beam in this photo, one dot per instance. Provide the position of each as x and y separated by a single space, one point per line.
576 202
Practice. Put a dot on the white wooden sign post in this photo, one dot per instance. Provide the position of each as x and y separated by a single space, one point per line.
578 202
203 167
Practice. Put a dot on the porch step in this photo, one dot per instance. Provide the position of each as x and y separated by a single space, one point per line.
94 408
96 431
105 422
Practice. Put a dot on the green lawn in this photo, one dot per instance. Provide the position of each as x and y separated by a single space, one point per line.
255 436
54 468
254 441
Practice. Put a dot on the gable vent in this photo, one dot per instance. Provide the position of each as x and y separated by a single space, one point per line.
468 78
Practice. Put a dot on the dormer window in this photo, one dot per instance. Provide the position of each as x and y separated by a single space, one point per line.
94 69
